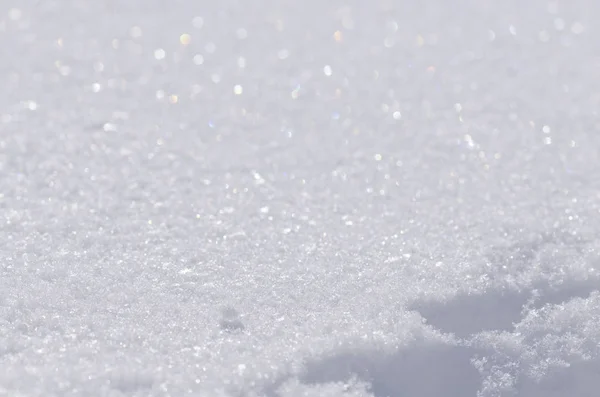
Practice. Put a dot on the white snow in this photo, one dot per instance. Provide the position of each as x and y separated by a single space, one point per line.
299 198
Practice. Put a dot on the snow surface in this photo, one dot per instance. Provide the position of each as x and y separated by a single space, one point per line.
299 198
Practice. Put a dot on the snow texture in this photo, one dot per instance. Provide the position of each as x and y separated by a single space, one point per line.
285 198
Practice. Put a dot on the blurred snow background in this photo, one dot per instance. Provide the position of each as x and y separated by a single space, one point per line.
299 198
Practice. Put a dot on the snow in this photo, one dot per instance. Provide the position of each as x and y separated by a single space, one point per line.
299 198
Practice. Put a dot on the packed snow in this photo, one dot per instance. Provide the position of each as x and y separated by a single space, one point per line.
285 198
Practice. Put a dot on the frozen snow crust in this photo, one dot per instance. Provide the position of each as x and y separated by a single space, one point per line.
299 198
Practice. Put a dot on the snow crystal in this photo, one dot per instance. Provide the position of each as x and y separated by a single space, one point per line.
299 198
